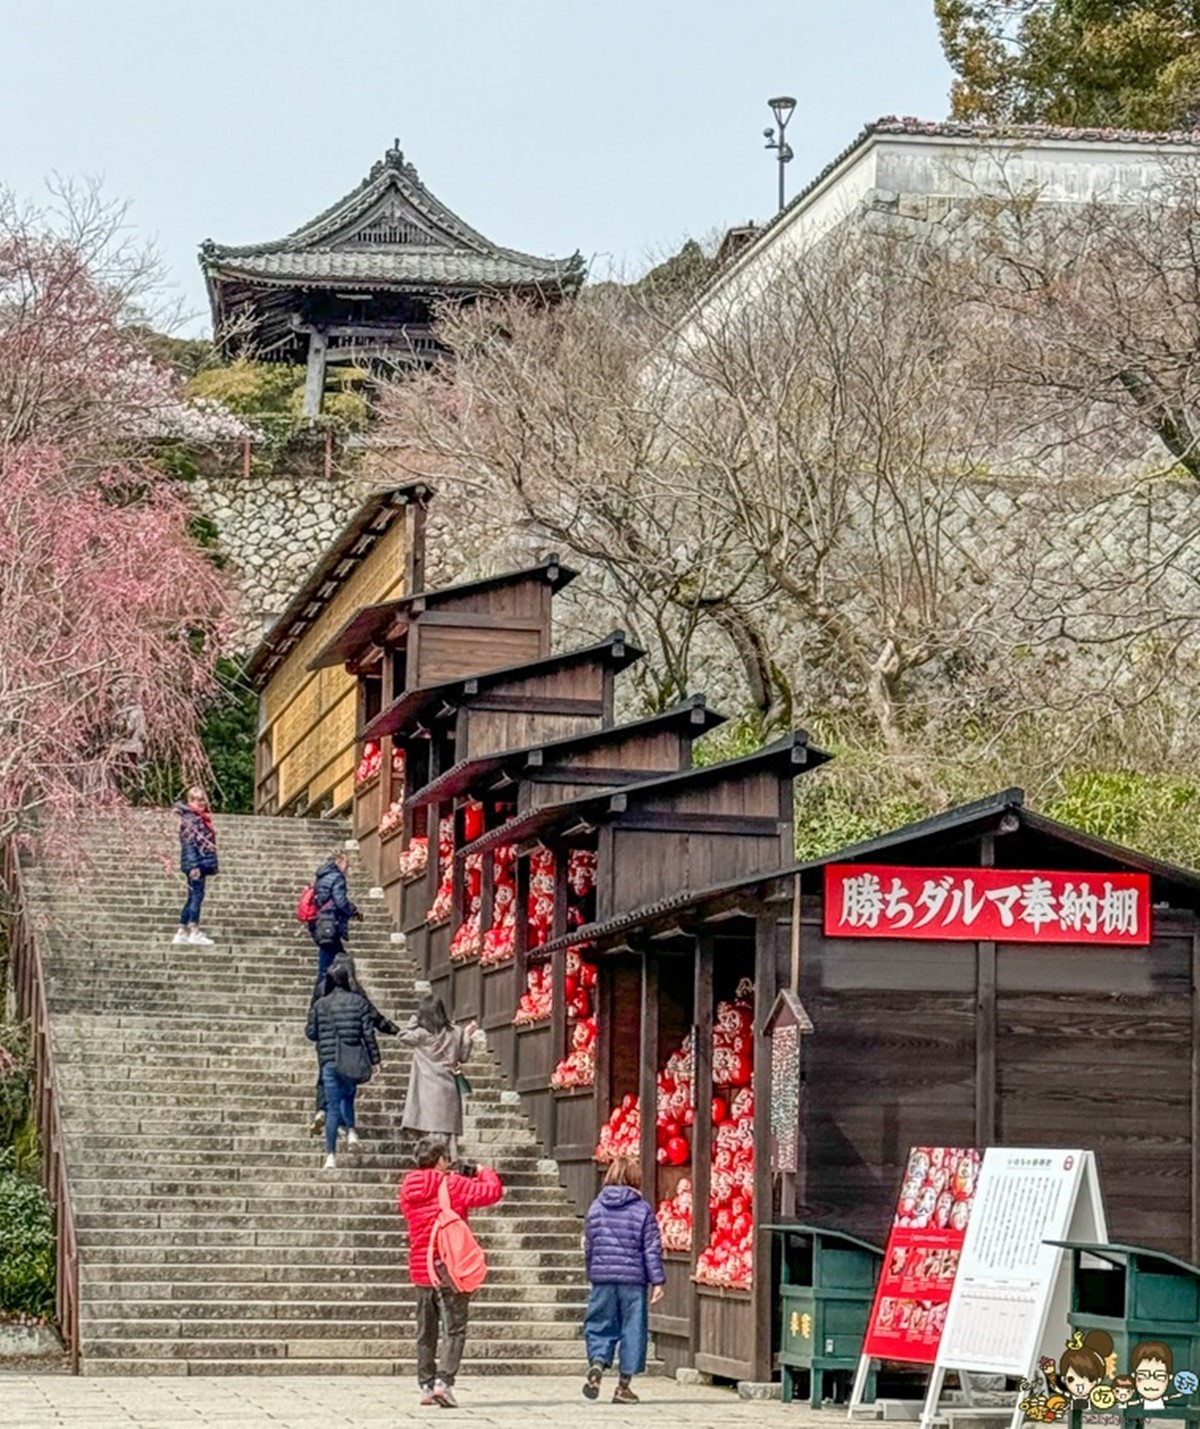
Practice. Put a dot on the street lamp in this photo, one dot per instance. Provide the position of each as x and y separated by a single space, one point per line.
782 109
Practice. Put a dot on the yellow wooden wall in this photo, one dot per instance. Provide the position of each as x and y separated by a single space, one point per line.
308 717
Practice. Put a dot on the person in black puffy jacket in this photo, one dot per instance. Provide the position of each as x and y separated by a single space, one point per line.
623 1248
378 1021
341 1025
332 900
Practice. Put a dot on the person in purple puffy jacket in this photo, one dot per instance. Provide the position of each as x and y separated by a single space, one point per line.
623 1249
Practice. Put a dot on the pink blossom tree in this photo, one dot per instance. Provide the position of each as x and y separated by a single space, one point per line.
111 617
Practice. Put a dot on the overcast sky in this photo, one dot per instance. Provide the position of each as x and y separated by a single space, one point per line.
617 128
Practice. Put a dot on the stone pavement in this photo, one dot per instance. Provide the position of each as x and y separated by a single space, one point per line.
311 1402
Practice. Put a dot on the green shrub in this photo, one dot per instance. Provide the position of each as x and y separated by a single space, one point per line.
26 1244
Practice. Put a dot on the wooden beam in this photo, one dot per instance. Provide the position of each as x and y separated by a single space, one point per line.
648 1078
314 380
534 704
668 821
1195 1097
985 1023
702 1084
766 986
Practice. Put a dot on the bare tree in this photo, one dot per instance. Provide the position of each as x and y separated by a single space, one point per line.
857 476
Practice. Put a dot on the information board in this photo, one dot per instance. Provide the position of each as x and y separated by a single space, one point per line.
1011 1285
923 1251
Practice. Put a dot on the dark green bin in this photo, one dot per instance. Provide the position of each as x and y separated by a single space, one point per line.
827 1286
1139 1295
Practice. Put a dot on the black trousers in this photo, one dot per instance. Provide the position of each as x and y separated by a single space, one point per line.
440 1310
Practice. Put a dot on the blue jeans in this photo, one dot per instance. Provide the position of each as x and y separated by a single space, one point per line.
617 1313
339 1104
326 953
191 909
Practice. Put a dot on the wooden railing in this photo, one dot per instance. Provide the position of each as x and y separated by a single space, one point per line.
29 984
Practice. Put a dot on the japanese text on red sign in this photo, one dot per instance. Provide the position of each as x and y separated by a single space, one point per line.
1009 905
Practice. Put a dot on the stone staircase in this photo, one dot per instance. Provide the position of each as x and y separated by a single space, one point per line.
210 1241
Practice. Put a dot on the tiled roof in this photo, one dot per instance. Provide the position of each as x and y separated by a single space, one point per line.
388 231
1031 133
396 268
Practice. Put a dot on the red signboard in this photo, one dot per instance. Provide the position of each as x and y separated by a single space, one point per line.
923 1251
868 900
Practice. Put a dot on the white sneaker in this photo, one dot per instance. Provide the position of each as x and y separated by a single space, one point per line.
200 940
183 936
352 1138
330 1163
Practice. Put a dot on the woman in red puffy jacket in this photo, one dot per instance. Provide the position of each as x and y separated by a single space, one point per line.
469 1188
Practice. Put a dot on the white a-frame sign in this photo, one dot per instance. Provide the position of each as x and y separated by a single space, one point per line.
1012 1288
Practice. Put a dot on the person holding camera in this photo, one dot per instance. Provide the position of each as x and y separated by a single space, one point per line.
334 912
438 1303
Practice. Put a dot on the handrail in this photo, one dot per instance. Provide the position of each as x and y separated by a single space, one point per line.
29 984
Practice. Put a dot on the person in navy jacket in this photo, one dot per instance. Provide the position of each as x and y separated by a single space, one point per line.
197 861
623 1249
330 895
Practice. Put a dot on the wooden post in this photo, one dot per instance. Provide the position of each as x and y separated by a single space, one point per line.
985 1023
415 516
314 381
648 1079
1195 1097
702 1090
766 986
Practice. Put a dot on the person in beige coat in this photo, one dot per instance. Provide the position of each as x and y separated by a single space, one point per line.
433 1105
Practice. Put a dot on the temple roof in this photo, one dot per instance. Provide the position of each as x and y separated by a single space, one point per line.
387 235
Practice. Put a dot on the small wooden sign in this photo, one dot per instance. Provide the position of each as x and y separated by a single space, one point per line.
786 1023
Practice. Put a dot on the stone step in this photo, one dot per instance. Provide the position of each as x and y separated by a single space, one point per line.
501 1296
317 1348
503 1363
268 1320
210 1241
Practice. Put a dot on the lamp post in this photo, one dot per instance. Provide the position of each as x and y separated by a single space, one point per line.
782 109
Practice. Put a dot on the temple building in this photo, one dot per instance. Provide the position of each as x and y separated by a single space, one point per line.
359 283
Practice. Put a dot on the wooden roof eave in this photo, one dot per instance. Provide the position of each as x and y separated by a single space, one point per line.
415 705
389 621
793 751
1002 813
481 775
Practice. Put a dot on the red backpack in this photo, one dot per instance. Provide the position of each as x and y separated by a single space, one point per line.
454 1253
306 909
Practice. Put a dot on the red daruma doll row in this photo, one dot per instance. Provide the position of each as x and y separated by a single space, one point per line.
728 1259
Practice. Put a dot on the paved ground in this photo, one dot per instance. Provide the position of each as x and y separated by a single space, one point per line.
50 1401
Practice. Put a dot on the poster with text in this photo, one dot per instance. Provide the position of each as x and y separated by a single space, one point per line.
923 1251
1008 1279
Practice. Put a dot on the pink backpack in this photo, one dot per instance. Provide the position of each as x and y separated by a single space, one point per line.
454 1253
